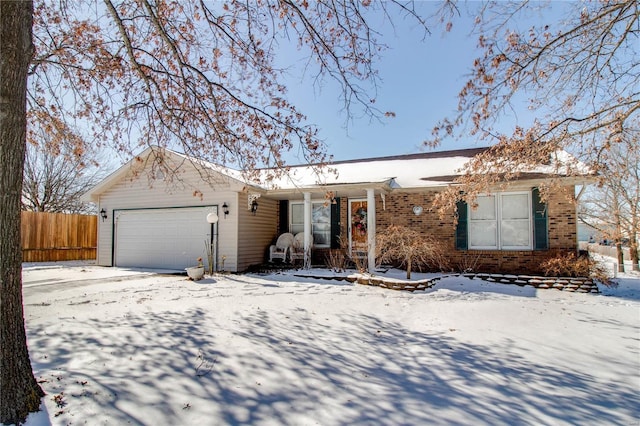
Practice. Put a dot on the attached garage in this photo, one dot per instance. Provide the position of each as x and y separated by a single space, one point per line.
161 238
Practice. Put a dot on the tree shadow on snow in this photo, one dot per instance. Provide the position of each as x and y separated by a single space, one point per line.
296 367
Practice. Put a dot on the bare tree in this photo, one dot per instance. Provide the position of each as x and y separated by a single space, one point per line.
614 207
410 249
579 74
202 77
600 209
57 172
197 75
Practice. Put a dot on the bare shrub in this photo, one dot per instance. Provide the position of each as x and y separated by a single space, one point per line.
336 260
360 260
356 257
410 249
570 265
469 262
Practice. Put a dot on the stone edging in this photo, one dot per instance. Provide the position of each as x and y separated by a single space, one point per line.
394 284
578 285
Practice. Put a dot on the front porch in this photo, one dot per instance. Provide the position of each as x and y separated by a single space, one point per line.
330 222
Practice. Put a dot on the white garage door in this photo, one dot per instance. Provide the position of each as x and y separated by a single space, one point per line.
161 238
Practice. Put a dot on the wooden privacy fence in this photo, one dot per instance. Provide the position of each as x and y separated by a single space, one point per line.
56 236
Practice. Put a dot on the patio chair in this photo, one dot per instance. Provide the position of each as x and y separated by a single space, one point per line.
281 248
297 250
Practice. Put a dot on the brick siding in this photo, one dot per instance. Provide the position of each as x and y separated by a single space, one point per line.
562 229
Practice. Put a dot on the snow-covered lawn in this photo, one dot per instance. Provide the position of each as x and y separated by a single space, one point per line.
115 346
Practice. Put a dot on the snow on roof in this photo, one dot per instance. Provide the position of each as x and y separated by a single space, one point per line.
405 171
423 170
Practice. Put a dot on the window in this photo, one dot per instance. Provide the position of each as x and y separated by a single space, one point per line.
320 222
501 222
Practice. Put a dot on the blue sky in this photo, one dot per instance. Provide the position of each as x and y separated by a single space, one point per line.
421 77
420 83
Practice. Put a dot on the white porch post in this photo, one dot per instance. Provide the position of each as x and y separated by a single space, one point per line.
307 230
371 230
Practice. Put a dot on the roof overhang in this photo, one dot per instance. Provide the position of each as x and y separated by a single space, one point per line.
356 189
375 175
524 176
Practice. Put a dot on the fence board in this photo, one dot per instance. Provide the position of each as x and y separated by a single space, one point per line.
55 236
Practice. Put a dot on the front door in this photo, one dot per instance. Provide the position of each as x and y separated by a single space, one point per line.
358 228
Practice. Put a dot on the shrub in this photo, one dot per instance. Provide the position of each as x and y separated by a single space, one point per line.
356 258
570 265
469 263
410 249
336 260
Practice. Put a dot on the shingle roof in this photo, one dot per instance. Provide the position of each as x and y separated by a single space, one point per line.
430 169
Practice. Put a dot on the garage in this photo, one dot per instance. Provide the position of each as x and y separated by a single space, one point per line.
171 238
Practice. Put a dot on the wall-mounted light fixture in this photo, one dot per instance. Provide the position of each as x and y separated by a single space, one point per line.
103 214
252 202
417 210
225 209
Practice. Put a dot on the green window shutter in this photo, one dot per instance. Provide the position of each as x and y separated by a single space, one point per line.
283 220
462 226
540 221
335 224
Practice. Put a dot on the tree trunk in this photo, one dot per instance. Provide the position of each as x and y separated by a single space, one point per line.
19 392
620 255
409 268
633 248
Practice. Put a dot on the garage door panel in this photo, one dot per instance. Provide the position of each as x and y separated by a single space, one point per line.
161 238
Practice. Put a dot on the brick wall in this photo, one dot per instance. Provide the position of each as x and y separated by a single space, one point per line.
563 221
562 230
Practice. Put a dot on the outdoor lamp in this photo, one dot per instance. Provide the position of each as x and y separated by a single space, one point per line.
225 209
212 218
254 207
103 214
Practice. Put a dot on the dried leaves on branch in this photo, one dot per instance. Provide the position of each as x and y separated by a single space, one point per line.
578 73
202 77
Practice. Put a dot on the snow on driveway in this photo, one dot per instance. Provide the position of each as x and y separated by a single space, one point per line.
113 346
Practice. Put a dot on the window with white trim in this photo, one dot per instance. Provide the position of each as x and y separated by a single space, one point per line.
320 222
501 222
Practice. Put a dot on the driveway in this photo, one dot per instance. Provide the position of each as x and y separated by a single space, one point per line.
47 277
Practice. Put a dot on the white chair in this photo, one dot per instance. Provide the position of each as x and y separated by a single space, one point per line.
297 251
281 248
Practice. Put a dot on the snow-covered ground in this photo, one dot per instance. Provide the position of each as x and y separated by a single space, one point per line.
116 346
